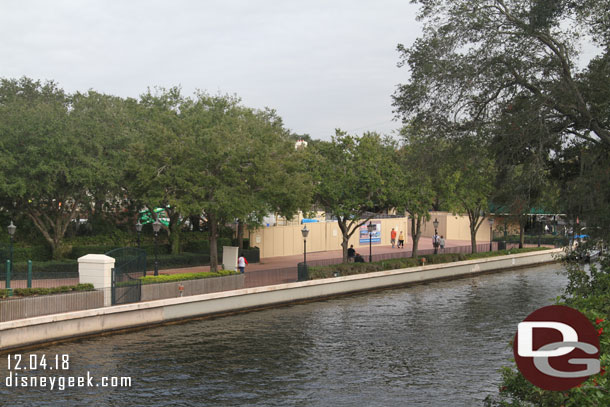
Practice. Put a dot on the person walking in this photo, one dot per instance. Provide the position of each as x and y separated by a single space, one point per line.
393 237
441 241
241 264
401 240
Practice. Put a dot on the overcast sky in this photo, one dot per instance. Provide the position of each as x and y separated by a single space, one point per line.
320 64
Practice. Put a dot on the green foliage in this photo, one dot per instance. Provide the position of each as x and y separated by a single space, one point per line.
28 292
46 269
346 269
168 261
589 293
353 178
167 278
558 241
52 167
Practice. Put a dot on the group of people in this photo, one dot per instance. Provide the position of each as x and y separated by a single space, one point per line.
438 242
353 256
401 239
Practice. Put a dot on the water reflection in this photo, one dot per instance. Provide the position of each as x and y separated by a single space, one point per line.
428 345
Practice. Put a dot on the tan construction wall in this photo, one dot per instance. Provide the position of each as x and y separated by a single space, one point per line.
276 241
287 240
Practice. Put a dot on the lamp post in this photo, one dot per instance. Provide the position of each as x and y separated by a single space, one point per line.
539 229
156 228
139 230
305 233
370 227
491 224
435 242
11 231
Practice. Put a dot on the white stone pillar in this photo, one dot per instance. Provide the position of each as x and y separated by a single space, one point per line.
96 269
229 257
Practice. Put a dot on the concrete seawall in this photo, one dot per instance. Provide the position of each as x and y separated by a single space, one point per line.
49 328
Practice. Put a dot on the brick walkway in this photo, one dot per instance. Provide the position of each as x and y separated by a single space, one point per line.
272 270
281 262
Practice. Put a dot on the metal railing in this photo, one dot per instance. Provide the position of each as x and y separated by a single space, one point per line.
27 307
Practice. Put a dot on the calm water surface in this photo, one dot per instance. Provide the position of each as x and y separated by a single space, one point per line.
439 344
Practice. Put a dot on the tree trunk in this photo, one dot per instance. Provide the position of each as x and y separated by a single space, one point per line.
344 237
415 233
53 230
473 238
240 234
174 235
213 234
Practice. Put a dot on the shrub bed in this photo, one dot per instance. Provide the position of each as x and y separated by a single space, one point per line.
168 278
28 292
346 269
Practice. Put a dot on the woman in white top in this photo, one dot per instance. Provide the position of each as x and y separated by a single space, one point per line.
241 264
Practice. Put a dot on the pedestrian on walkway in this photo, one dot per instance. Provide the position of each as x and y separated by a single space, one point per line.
351 253
393 237
241 264
441 241
401 240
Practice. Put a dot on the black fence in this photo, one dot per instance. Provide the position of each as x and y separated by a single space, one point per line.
129 267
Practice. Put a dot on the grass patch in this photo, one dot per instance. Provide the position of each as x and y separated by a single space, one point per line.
347 269
29 292
168 278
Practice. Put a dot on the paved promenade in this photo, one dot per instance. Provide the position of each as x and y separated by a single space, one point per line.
272 263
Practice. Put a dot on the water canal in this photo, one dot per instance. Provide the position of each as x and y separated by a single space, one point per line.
437 344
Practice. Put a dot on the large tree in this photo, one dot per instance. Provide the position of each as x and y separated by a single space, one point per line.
424 183
57 154
157 169
473 173
353 179
476 55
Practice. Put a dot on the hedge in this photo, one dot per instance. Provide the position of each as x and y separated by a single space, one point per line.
40 268
557 240
167 278
28 292
168 261
346 269
203 245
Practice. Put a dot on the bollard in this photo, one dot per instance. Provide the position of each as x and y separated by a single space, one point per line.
29 273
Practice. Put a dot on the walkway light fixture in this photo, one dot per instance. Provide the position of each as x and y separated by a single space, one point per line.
156 228
11 231
305 233
491 224
371 228
139 230
435 242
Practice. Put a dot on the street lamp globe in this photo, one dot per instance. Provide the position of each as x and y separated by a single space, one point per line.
156 226
139 226
11 229
305 232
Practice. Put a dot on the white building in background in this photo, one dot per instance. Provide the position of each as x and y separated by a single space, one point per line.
300 144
